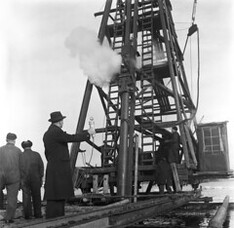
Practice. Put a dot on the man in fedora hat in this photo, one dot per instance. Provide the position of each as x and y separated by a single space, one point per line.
10 174
58 182
31 173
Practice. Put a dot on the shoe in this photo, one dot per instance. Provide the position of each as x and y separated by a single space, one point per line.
8 221
39 216
27 217
169 190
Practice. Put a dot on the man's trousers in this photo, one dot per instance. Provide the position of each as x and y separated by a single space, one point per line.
32 197
12 193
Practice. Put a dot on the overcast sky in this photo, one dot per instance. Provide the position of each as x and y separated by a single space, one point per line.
39 76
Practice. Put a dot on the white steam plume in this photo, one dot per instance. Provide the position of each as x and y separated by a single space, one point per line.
98 62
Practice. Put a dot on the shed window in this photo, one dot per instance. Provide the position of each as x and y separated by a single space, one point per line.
212 140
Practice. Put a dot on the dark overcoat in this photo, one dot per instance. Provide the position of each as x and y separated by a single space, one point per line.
163 170
31 167
58 182
174 147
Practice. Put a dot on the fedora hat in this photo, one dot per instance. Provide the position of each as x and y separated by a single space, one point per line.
56 117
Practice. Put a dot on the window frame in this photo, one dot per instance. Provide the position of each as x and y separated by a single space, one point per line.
210 147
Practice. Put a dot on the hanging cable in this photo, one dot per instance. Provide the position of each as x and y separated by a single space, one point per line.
198 69
194 11
198 83
193 28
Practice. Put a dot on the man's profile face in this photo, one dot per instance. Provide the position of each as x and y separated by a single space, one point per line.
61 123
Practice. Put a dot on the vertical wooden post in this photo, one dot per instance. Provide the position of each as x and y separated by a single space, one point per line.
75 177
106 184
88 91
172 70
95 183
175 177
190 145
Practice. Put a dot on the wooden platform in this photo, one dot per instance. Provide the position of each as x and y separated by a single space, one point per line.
120 214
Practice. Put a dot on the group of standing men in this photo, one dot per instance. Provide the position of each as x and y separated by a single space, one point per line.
20 171
25 170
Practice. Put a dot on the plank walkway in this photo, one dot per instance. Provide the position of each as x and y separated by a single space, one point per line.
113 215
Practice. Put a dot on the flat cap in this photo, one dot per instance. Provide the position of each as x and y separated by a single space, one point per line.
11 136
26 144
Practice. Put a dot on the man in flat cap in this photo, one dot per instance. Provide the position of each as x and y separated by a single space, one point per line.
31 173
58 182
10 174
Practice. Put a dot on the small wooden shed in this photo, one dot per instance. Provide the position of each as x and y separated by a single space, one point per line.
213 153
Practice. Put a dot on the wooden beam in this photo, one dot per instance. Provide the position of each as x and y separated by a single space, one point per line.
116 215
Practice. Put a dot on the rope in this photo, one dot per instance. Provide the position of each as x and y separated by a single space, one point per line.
194 11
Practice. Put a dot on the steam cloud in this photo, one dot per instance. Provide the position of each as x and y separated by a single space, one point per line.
99 62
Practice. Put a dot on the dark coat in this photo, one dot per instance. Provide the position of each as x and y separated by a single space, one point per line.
174 147
58 182
9 165
31 174
163 170
31 166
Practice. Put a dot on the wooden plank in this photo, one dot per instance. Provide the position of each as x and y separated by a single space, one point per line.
131 217
102 222
218 219
115 215
175 177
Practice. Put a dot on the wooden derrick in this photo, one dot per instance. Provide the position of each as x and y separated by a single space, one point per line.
147 98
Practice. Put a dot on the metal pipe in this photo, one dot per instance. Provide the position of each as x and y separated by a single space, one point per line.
122 157
136 168
123 184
